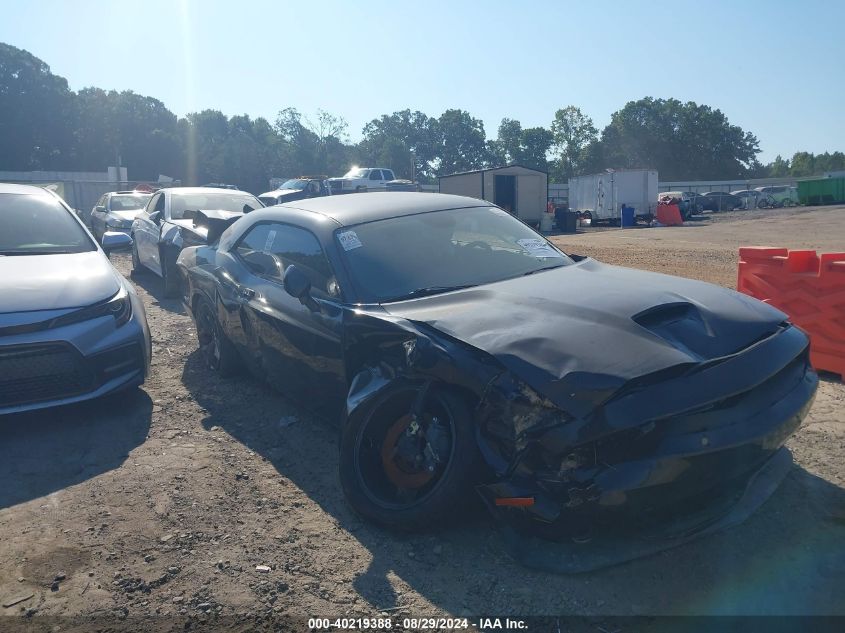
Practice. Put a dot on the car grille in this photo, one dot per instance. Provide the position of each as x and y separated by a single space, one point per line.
35 373
336 185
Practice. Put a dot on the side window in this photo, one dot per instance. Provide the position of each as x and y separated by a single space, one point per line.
388 175
102 201
375 174
268 249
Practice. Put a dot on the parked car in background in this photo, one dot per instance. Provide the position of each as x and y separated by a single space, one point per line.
297 189
781 196
461 352
751 198
360 179
719 201
71 327
685 200
167 225
220 185
116 211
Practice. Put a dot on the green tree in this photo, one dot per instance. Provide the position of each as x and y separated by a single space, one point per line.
461 142
536 142
680 140
206 137
573 132
311 147
528 147
779 167
802 164
805 164
830 161
37 114
404 141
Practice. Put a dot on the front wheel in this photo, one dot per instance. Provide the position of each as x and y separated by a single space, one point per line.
410 472
219 353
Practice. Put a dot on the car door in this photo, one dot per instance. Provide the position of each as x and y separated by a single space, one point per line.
146 232
96 214
298 348
375 180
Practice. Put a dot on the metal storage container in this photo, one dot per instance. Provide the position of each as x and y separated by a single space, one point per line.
601 196
821 191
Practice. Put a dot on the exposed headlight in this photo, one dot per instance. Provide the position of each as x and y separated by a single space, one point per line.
119 307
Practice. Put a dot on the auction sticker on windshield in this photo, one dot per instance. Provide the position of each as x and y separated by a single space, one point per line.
349 240
538 248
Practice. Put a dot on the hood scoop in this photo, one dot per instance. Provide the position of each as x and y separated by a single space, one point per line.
690 328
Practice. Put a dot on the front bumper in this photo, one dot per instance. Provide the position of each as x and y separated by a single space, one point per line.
654 455
571 557
73 363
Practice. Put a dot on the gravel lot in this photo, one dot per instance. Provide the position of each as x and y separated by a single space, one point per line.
165 500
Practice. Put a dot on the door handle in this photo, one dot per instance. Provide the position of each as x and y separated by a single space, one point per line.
246 293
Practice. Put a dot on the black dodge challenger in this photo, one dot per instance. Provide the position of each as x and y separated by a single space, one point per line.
460 350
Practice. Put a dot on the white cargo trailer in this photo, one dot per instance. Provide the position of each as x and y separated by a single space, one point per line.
601 196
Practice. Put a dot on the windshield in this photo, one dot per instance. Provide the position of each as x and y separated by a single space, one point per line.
299 185
39 225
193 202
128 203
356 173
433 252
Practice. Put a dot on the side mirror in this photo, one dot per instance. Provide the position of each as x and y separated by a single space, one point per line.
298 285
114 241
155 216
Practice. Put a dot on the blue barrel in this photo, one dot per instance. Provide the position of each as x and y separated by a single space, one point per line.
628 216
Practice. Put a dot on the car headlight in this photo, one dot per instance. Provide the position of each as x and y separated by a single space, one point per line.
119 306
117 223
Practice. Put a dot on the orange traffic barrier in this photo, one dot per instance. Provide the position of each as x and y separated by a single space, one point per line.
810 288
669 215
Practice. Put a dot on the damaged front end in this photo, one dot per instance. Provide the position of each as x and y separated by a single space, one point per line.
629 465
644 465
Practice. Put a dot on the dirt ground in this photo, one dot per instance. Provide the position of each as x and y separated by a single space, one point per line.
164 500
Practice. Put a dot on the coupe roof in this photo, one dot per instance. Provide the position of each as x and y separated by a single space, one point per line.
355 208
25 189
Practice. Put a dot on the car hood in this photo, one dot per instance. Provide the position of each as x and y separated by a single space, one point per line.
52 282
126 215
188 224
576 334
282 193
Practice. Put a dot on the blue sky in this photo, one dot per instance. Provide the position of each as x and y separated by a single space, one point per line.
775 68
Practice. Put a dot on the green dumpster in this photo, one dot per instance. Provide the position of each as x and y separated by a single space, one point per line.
821 191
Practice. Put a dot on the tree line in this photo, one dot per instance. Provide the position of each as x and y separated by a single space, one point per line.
46 126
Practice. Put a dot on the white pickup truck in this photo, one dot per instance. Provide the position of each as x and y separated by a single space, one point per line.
360 179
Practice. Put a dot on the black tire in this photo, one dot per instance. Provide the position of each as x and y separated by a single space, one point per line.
366 461
137 266
170 276
218 352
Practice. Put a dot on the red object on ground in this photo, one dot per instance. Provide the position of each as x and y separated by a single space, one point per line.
669 215
810 288
515 502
